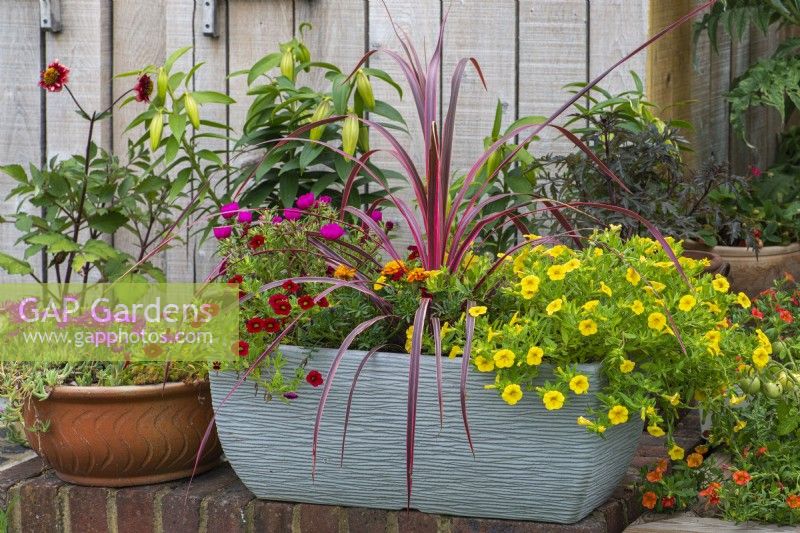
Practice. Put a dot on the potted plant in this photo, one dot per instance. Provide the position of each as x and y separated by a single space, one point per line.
312 272
127 420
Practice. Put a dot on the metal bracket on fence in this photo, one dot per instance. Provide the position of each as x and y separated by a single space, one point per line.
210 18
50 15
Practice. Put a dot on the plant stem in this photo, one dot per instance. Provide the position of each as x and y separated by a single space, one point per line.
82 201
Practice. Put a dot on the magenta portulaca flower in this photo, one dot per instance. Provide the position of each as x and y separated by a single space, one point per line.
292 213
331 231
277 219
229 210
324 199
222 232
245 216
376 215
305 201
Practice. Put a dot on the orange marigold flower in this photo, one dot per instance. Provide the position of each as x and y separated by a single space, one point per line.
54 77
793 501
654 476
417 274
741 477
694 460
344 272
394 269
649 500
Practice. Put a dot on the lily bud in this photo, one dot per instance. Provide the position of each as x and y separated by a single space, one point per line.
363 138
156 127
287 64
364 88
322 112
350 134
161 84
304 55
191 110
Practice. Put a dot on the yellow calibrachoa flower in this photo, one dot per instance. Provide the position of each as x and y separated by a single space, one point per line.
760 357
455 351
637 307
763 340
653 287
504 358
618 415
740 425
483 364
743 300
572 264
656 321
379 283
655 431
674 400
491 334
557 272
477 310
736 400
585 422
591 305
556 251
720 284
587 327
535 355
687 303
627 366
676 453
598 252
713 308
633 277
530 286
579 384
554 306
512 394
553 400
605 289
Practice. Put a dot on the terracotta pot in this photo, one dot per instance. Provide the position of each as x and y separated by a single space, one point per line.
752 275
717 265
122 436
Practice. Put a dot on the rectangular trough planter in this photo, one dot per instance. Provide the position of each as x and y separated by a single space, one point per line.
529 463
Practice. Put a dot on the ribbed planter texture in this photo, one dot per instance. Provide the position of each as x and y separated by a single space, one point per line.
752 275
123 436
529 463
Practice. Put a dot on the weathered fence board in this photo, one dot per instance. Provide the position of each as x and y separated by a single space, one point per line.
528 49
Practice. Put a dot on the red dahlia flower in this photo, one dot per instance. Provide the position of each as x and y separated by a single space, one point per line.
305 302
54 77
793 501
314 378
143 88
323 302
235 280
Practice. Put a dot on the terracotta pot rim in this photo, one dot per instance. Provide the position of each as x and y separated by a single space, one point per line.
97 392
766 251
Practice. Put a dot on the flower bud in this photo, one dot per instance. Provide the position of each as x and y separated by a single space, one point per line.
304 55
363 138
156 127
287 64
161 84
322 112
191 110
350 134
364 87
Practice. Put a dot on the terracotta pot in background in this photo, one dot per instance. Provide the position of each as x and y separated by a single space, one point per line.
122 436
752 275
716 266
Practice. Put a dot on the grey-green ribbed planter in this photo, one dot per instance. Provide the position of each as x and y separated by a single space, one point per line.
529 463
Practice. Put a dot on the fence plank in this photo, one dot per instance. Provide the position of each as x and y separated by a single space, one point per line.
19 106
486 31
552 52
616 28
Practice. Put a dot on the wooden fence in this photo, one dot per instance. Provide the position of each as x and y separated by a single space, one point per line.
528 50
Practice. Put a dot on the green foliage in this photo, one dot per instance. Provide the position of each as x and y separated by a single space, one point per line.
282 104
736 17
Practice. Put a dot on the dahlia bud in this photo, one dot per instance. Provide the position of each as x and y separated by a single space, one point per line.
364 88
156 127
161 84
287 64
322 112
350 134
191 110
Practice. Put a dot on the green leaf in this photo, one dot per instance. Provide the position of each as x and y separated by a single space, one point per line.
381 75
212 97
101 249
15 171
208 155
263 65
288 189
385 110
179 184
309 153
12 265
108 222
55 242
177 125
174 56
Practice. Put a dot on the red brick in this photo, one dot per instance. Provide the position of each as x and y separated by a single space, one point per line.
87 509
226 511
272 517
318 518
652 451
614 513
366 520
180 509
19 472
136 507
641 461
416 522
39 504
482 525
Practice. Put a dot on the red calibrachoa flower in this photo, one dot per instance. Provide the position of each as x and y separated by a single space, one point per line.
323 302
256 242
271 325
305 302
654 476
54 77
756 313
235 280
241 348
741 477
785 315
711 492
281 306
649 500
793 501
143 88
668 502
314 378
761 451
256 325
290 286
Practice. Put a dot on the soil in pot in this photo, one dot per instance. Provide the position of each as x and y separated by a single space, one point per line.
123 436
